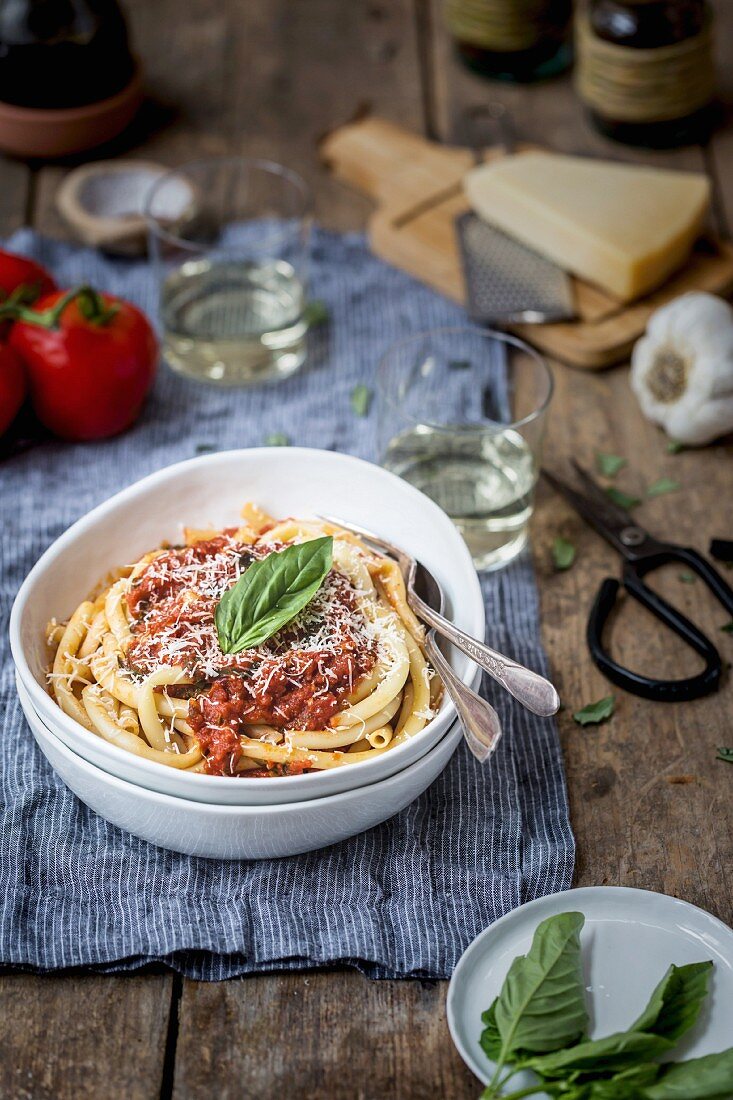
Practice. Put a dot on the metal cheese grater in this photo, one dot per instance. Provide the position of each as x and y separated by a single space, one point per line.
506 282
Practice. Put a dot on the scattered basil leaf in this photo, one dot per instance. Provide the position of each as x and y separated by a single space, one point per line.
490 1038
205 448
624 500
609 465
526 1010
270 593
674 447
459 364
675 1004
315 313
593 713
663 485
725 753
563 553
707 1078
277 439
687 578
727 628
361 399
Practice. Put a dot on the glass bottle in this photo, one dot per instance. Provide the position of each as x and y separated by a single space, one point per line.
514 40
645 70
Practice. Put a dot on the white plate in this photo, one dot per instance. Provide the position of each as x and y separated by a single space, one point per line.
628 941
210 490
238 832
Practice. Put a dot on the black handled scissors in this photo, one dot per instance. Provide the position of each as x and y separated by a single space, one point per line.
643 554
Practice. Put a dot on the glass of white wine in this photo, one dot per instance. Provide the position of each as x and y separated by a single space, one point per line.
231 268
461 415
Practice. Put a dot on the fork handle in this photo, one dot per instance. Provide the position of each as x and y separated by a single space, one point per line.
481 725
529 688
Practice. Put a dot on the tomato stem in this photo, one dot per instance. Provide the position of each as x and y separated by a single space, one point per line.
90 304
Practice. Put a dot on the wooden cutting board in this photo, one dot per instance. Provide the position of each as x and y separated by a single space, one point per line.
417 188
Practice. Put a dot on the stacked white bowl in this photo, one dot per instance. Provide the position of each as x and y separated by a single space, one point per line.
215 816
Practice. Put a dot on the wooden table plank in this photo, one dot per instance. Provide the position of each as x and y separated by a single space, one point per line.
74 1036
15 193
336 1035
267 78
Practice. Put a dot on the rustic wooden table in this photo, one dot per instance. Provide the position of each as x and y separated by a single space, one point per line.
651 807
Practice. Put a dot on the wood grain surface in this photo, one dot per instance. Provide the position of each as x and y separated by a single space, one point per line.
651 807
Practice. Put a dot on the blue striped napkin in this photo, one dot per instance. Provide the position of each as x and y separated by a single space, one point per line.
405 898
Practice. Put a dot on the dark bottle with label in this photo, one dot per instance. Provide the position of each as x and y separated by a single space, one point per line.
645 69
58 54
514 40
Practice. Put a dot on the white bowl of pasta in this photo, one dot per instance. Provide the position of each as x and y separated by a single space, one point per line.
238 832
227 655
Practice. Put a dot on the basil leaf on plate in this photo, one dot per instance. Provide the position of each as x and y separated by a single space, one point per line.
593 713
563 553
623 1048
609 465
490 1038
541 1006
675 1004
270 593
707 1078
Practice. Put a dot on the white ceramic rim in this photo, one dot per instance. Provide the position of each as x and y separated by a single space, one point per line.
78 529
206 809
575 898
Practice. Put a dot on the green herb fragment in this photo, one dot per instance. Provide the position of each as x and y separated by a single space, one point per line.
315 313
728 627
361 399
724 753
707 1078
687 578
270 593
674 447
459 364
609 465
563 553
205 448
622 499
664 485
594 713
277 439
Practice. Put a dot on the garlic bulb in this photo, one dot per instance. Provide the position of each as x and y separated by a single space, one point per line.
682 369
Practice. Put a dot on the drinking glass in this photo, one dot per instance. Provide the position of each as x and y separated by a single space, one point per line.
461 416
231 268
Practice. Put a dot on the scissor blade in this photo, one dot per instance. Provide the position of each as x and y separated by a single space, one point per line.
607 518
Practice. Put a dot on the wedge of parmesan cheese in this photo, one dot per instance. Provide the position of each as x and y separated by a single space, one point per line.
622 227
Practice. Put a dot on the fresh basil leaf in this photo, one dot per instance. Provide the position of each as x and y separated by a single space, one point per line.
490 1038
675 1004
277 439
622 499
609 465
687 578
270 593
541 1005
674 447
315 313
459 364
663 485
361 399
624 1048
708 1078
725 754
626 1085
593 713
563 553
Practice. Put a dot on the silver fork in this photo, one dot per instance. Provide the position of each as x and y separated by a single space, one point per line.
529 688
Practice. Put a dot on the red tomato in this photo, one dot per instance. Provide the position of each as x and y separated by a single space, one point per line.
90 370
12 386
18 271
